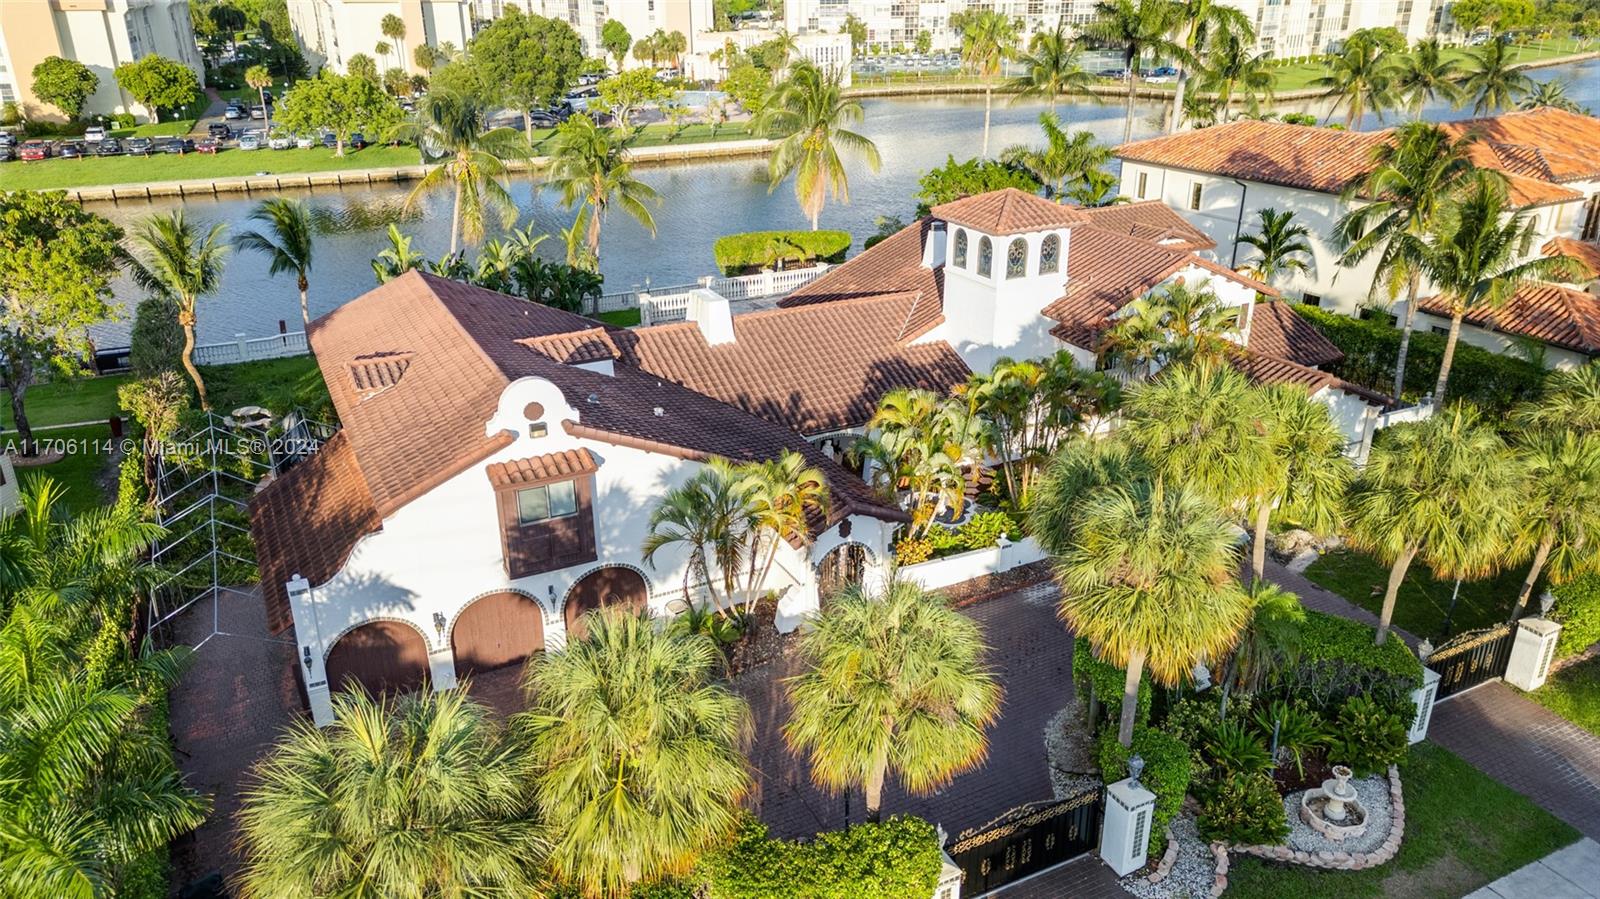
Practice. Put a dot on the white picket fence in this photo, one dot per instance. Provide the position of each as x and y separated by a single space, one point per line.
241 350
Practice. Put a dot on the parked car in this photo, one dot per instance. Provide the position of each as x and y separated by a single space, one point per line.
71 149
358 141
94 134
139 146
330 140
259 112
1160 79
7 139
177 146
7 152
219 130
305 142
208 145
1114 74
250 140
34 150
1163 72
280 142
235 113
109 146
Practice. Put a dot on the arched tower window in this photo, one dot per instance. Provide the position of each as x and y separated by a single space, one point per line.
1017 258
985 257
1050 255
961 248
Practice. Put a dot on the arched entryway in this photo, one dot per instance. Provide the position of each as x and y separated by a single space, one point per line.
841 568
382 656
495 631
603 588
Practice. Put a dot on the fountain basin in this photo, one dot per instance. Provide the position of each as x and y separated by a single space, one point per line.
1333 809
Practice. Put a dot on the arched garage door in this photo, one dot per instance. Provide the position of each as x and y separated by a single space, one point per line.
604 588
495 631
383 656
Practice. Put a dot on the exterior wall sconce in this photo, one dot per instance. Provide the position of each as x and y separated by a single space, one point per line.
305 656
438 624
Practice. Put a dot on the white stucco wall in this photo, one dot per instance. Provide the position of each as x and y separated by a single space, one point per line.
1499 342
994 316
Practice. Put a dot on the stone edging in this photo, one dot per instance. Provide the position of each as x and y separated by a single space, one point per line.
1219 852
1339 861
1168 859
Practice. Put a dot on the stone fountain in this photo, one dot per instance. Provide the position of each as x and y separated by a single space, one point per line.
1333 810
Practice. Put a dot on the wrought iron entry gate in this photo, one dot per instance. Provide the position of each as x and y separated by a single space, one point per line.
1026 840
1471 658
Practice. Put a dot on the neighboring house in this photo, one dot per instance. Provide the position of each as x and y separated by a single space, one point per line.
1219 178
499 460
1553 324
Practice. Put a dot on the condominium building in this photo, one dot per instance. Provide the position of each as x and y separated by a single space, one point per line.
827 51
891 22
101 34
332 31
640 17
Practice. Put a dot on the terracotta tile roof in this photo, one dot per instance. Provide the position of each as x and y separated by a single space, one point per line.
1586 253
308 520
1150 220
1277 330
1560 316
813 368
374 373
893 265
591 345
1106 271
563 465
1548 144
1264 369
1008 211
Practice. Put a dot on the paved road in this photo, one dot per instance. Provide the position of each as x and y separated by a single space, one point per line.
1570 873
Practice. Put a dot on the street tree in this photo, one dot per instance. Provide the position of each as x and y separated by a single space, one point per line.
158 83
65 83
530 61
343 104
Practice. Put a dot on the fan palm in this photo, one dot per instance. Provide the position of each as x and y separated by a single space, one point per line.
635 752
1137 27
1148 578
174 262
782 494
1560 514
1410 179
260 78
894 684
709 516
1270 642
1551 94
1442 491
1426 73
1571 399
287 243
809 115
470 160
1280 246
1494 79
1086 464
1065 160
1052 67
591 167
1360 79
1233 69
1307 475
421 795
1204 24
988 38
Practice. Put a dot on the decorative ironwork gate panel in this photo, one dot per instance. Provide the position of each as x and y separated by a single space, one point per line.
1026 840
1472 658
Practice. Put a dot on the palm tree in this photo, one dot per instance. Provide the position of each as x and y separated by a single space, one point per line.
1560 488
1098 188
1137 27
176 264
710 517
418 795
809 115
1034 406
394 28
1571 399
1307 473
1551 94
1472 256
287 243
988 38
1440 490
1426 73
1177 324
591 166
1204 24
634 752
1280 245
1494 79
1359 79
1148 578
1233 68
450 130
1066 159
1411 177
398 258
1052 67
1270 642
894 684
782 496
260 78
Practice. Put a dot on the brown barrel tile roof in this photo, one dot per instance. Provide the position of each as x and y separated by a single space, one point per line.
1585 252
558 466
1008 211
1151 220
1277 330
577 347
1548 144
1555 314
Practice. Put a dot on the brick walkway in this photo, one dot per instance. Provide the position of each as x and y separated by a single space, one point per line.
1085 878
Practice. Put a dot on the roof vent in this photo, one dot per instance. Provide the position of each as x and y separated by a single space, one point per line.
594 399
659 411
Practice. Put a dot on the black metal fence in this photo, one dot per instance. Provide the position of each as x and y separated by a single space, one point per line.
1472 658
1026 840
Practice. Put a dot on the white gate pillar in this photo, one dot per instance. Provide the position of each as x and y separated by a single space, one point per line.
310 654
1423 698
1125 838
1532 652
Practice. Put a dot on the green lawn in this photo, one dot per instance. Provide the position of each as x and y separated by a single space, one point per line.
83 399
1574 694
157 129
55 174
1300 75
622 318
276 384
1423 601
82 467
1463 830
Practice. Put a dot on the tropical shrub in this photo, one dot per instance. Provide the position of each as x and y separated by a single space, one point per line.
1299 731
753 250
1338 661
911 550
945 541
1245 810
1232 750
1368 738
983 530
1577 607
157 339
1104 683
1191 718
1167 772
898 857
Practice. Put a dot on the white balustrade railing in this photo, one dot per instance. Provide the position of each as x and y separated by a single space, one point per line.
657 309
241 350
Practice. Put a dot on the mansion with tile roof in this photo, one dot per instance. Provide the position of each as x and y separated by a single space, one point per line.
499 460
1220 178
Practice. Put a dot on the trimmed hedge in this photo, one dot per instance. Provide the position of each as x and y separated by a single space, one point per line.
739 253
1577 607
1338 661
1493 381
897 859
1167 772
1107 681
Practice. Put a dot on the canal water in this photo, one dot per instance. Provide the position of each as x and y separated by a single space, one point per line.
700 201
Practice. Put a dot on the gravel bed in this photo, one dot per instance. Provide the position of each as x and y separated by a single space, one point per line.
1372 792
1192 873
1069 751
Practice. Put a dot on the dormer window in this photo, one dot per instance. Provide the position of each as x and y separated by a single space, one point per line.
985 258
545 506
1017 259
1050 255
961 248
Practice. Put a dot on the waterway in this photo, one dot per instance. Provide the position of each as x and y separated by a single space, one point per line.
699 202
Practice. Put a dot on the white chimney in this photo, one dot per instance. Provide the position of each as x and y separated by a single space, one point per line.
933 246
711 312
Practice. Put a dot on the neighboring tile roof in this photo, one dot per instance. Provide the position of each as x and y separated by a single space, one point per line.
1585 252
1008 211
558 466
307 521
1548 144
1277 330
893 265
1150 220
1264 369
1561 316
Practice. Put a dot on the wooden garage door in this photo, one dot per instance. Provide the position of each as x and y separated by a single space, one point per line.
495 631
381 656
604 588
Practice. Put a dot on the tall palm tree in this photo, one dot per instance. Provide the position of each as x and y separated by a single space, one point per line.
174 262
1571 399
1280 246
1473 255
1560 514
809 115
1148 577
287 242
1426 73
1494 79
1177 324
894 684
1410 178
710 517
1232 68
634 751
260 78
782 494
450 129
394 28
1137 27
1360 79
1307 473
1441 490
1052 67
1204 24
591 167
988 38
1552 94
418 795
1065 160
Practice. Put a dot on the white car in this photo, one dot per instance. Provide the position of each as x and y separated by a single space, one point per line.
233 113
281 142
1160 79
94 134
250 140
305 142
